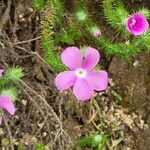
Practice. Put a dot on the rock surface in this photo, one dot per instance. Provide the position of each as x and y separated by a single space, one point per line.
133 80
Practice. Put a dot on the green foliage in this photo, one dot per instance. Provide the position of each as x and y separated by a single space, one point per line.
143 41
39 146
83 18
9 81
20 147
80 11
11 75
4 142
80 24
126 50
51 56
58 10
145 11
117 96
115 14
72 30
12 92
69 34
38 4
53 15
94 140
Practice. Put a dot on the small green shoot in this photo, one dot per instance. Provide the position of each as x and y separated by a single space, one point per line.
93 140
39 146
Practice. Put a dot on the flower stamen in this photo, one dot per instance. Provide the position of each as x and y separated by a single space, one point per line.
133 22
81 73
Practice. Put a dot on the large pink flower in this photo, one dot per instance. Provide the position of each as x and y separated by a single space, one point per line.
7 104
81 76
137 24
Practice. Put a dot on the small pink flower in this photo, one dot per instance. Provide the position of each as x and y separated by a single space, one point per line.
81 76
97 33
1 72
137 24
7 104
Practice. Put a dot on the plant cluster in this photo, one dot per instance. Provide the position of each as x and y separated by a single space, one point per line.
93 140
80 24
58 28
8 91
117 16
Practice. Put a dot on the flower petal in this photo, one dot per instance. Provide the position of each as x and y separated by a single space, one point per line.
72 57
1 72
65 80
142 22
92 57
6 103
97 79
82 90
0 120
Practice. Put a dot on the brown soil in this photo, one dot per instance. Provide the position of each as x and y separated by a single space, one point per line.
57 119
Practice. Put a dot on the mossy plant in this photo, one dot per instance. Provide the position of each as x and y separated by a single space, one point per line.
123 49
116 16
53 14
80 23
9 80
58 10
38 4
47 37
39 146
83 18
93 140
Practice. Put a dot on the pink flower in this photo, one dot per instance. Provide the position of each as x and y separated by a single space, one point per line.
137 24
96 31
81 76
97 34
7 104
1 72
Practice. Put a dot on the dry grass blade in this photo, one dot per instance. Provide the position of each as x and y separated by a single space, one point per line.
41 111
45 102
27 41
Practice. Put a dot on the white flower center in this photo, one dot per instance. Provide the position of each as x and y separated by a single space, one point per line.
81 73
133 22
